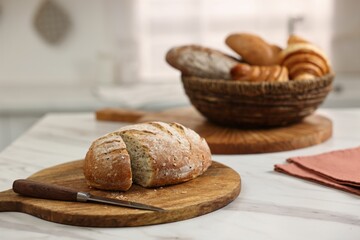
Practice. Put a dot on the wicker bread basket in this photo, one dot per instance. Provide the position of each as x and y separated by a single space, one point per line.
256 105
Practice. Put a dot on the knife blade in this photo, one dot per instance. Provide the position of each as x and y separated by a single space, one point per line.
36 189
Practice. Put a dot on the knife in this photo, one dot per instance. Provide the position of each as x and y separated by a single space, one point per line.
46 191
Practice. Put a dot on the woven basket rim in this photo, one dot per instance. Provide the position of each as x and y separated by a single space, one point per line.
256 88
234 82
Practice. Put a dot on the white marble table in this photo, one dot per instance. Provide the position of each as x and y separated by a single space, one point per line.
270 206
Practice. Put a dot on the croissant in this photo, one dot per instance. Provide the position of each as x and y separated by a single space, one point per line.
246 72
303 59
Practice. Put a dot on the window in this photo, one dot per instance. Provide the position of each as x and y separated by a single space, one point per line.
162 24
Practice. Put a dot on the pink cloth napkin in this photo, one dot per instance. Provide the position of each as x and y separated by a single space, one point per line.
339 169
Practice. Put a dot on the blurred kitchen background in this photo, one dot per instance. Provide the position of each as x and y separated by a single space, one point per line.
81 55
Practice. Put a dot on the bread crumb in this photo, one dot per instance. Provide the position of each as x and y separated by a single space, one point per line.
121 197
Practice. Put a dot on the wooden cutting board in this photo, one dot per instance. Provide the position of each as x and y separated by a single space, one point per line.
217 187
312 130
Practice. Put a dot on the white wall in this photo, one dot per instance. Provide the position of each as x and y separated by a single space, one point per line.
26 59
346 37
114 41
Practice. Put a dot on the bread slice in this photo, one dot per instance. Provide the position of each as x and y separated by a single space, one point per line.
107 164
150 154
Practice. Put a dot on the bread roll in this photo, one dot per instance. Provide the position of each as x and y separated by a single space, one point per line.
246 72
160 154
253 49
200 61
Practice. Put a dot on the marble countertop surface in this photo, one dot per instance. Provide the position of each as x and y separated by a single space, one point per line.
270 206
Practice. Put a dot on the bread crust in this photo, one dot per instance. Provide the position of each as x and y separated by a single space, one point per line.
107 164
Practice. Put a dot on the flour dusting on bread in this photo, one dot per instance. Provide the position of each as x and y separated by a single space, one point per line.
160 153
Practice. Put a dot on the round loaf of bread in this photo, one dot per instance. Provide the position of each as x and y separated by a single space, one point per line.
160 154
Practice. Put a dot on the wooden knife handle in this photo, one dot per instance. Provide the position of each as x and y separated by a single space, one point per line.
41 190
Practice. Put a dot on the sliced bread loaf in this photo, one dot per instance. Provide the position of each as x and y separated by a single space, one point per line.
160 154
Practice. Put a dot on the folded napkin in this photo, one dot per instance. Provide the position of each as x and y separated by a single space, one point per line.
339 169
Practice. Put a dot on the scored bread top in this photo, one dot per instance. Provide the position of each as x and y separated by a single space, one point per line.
107 164
176 153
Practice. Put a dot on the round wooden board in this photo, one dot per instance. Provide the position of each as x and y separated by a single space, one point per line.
217 187
312 130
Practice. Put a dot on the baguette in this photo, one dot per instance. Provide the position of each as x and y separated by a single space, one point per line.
159 154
